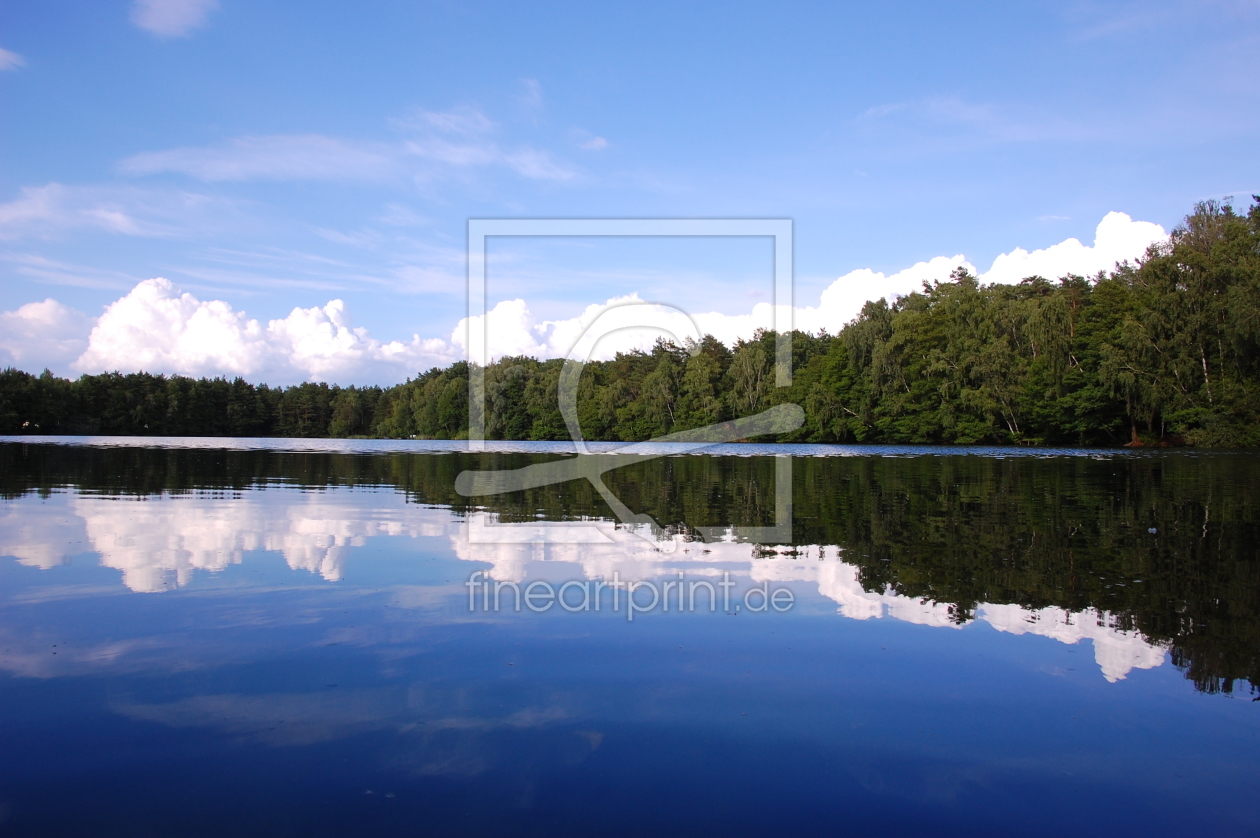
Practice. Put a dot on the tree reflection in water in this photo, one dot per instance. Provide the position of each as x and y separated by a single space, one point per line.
1138 552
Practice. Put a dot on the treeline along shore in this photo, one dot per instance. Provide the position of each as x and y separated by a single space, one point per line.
1162 352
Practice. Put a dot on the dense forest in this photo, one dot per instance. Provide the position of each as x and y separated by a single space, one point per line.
1165 351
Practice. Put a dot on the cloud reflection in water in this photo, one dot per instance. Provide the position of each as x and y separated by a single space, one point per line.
159 542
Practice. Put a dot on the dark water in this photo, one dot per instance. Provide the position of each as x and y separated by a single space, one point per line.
269 640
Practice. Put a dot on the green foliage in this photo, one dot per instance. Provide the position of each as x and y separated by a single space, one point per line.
699 400
1166 351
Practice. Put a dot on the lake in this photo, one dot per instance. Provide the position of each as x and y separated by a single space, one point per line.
326 637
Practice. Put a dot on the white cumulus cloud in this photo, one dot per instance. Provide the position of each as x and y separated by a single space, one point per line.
513 330
171 18
1117 238
42 335
841 301
158 329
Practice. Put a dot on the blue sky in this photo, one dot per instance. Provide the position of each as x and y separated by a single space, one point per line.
279 155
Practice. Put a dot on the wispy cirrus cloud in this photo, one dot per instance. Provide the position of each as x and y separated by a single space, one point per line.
410 267
397 215
462 120
945 121
47 271
1091 20
936 109
171 18
434 143
275 157
531 99
249 271
54 208
461 138
10 60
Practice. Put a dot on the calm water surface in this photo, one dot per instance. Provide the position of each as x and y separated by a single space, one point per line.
263 637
